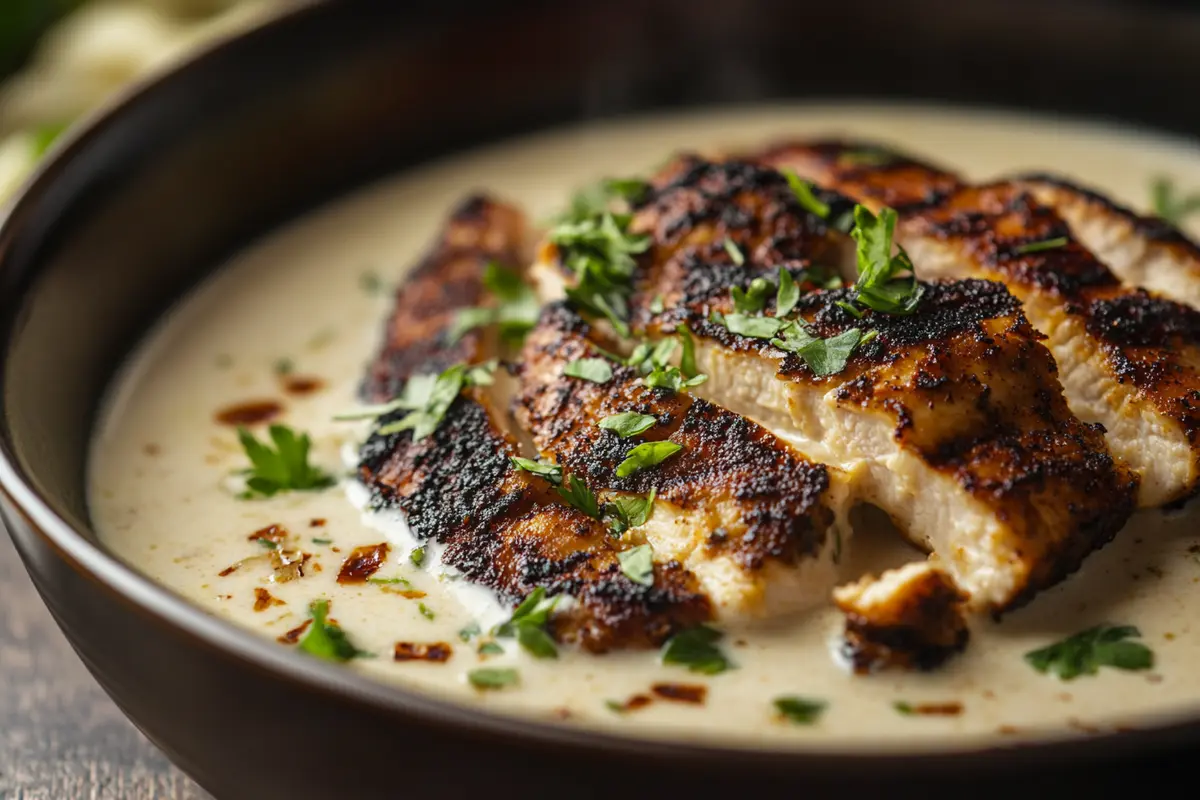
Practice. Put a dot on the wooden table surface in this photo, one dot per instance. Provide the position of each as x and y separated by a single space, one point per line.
61 738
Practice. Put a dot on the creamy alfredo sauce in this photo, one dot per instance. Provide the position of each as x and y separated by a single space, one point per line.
160 462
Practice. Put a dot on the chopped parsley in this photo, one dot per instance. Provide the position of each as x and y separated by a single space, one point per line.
672 379
629 511
596 370
577 495
427 398
1087 651
528 624
637 564
804 194
687 361
326 640
822 356
490 649
1038 247
284 366
492 677
267 543
390 582
45 137
903 708
753 298
417 556
551 472
882 284
787 295
283 468
628 423
656 305
800 710
426 611
646 454
515 311
1170 206
696 649
594 242
753 327
734 253
317 540
469 632
371 283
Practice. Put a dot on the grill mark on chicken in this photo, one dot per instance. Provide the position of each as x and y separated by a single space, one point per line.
449 278
740 494
507 530
1143 251
963 385
1128 356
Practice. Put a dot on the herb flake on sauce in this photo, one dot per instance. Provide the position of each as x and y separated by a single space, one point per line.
1087 651
326 640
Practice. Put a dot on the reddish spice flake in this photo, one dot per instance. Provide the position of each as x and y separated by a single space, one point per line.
635 702
232 568
562 713
316 523
1081 726
272 533
407 594
250 413
952 709
316 567
264 599
1008 730
438 652
302 385
681 692
293 636
363 562
152 449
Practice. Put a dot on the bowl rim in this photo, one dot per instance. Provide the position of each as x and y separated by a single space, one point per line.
147 597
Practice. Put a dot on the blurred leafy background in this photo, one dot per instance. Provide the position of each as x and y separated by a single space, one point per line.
22 22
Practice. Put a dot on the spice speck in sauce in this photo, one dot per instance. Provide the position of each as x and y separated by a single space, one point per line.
363 562
293 636
437 652
302 385
264 599
681 692
252 412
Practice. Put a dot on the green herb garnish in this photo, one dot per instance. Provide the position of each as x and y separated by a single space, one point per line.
646 454
390 582
637 564
426 611
515 311
326 640
492 677
804 194
417 556
687 360
577 495
696 649
490 649
596 370
628 423
267 543
787 295
427 398
753 298
317 540
1168 205
734 253
551 472
753 327
629 511
800 710
283 366
881 285
1087 651
284 468
823 356
469 632
528 624
371 283
903 708
1038 247
656 305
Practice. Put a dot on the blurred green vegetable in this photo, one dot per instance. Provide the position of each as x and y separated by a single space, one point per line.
22 22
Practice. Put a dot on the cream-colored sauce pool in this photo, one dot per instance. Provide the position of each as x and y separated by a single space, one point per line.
160 463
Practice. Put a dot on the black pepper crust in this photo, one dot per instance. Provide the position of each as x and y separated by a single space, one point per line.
726 459
507 530
449 278
965 381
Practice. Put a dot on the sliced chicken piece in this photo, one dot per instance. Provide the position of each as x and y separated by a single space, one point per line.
750 517
449 278
908 618
952 420
1128 358
1141 250
509 531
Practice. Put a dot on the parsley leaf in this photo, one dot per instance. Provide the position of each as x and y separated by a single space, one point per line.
425 417
492 677
696 649
866 157
788 294
596 370
734 253
628 423
800 710
753 298
579 496
516 309
646 454
629 511
528 624
753 327
656 305
551 472
637 564
1087 651
804 194
326 640
1038 247
282 469
687 361
426 611
879 284
823 356
417 556
469 632
1170 207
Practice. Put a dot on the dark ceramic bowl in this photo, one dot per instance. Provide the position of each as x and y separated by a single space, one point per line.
135 209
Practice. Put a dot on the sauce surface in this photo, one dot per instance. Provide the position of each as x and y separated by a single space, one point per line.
285 331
